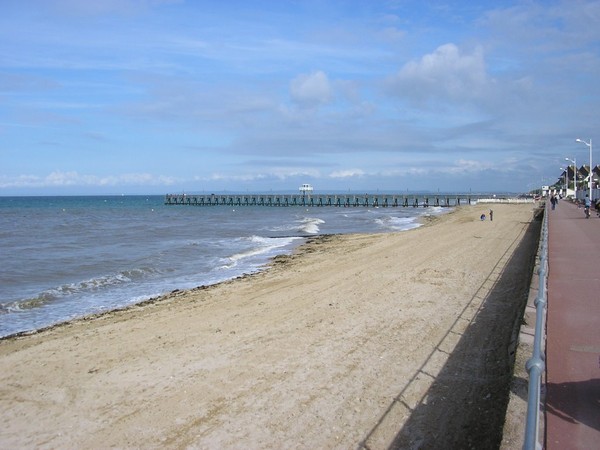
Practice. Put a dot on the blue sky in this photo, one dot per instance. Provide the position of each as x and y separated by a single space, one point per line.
157 96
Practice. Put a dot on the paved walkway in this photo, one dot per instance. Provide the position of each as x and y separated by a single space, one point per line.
573 330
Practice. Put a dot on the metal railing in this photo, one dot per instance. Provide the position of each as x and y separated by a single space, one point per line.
535 365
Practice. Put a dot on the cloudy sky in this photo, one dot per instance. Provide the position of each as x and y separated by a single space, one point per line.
157 96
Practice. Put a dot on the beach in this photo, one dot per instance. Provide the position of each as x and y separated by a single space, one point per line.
396 340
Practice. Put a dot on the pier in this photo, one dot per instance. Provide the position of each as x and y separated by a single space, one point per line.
321 200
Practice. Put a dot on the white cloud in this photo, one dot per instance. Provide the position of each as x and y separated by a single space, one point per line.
223 177
65 179
469 166
311 90
447 73
281 173
349 173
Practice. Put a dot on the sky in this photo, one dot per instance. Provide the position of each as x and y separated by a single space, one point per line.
184 96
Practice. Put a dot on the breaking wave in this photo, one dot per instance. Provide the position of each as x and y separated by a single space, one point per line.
258 247
82 287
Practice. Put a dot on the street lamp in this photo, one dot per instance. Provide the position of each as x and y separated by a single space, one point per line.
574 161
589 144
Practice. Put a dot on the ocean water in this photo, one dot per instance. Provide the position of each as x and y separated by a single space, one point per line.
67 257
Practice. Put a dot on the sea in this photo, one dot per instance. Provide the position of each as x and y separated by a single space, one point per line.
63 258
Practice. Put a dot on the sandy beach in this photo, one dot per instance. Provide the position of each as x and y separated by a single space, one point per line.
402 340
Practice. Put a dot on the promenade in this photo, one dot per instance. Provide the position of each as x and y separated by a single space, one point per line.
573 330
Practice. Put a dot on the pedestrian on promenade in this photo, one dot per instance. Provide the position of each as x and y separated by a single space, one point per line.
588 203
553 201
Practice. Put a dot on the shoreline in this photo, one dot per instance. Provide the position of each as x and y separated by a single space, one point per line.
423 220
350 340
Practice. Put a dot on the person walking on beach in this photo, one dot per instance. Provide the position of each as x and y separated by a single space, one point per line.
491 215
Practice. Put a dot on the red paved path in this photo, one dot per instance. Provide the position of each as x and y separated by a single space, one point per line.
573 330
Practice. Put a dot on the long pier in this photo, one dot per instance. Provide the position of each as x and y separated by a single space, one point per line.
316 200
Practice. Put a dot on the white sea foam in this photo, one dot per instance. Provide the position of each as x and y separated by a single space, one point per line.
257 247
404 223
310 225
435 211
80 288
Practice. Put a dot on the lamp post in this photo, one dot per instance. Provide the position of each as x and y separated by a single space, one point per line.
589 144
574 161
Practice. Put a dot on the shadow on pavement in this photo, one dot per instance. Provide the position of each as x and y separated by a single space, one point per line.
583 410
